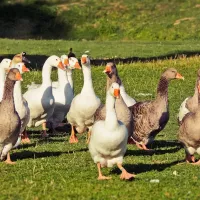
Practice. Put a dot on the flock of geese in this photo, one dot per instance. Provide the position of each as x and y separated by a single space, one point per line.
110 127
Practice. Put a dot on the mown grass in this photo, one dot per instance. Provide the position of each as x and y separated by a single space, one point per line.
55 169
97 49
101 20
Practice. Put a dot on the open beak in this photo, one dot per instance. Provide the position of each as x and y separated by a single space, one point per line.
25 69
83 60
108 69
77 66
179 76
61 66
24 59
66 61
18 76
117 93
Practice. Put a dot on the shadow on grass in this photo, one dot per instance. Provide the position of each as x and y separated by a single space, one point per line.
157 144
35 155
38 60
142 168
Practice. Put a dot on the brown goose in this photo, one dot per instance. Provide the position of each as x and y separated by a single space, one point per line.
10 122
190 104
189 131
150 117
21 57
122 111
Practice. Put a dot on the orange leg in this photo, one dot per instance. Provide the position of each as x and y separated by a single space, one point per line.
44 134
25 138
125 175
189 158
88 137
8 160
73 138
101 177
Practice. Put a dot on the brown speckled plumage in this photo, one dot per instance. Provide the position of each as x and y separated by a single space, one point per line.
122 111
9 119
150 117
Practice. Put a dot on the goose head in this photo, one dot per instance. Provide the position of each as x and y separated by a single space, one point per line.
114 90
14 75
55 61
70 62
171 73
5 63
85 60
111 72
20 58
21 67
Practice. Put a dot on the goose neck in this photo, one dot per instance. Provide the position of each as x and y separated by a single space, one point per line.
8 99
2 81
70 78
62 77
87 85
162 90
111 117
18 93
46 74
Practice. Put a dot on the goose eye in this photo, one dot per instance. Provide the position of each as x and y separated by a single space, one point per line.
56 59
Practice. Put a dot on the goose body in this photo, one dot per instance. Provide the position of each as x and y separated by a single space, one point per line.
189 131
85 104
122 111
150 117
63 92
190 104
21 104
109 137
10 122
5 63
41 100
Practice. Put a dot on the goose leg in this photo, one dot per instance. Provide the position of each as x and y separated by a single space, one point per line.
189 158
125 175
44 133
73 138
8 160
101 177
25 138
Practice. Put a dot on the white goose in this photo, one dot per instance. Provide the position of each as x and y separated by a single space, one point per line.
84 105
108 140
40 100
21 105
63 92
4 65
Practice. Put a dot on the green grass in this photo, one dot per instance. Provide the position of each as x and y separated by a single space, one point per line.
97 49
101 20
55 169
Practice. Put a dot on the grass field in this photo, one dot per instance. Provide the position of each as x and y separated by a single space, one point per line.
55 169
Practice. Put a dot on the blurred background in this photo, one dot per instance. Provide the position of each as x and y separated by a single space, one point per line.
100 20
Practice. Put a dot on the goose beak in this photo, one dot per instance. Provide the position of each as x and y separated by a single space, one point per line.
61 66
24 59
108 69
179 76
83 60
25 69
77 66
66 61
117 93
18 77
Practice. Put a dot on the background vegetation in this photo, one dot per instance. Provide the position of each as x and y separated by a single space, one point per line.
102 20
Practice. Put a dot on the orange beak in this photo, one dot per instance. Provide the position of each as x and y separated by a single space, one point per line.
18 76
66 61
179 76
61 66
25 69
77 66
108 69
83 60
117 93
